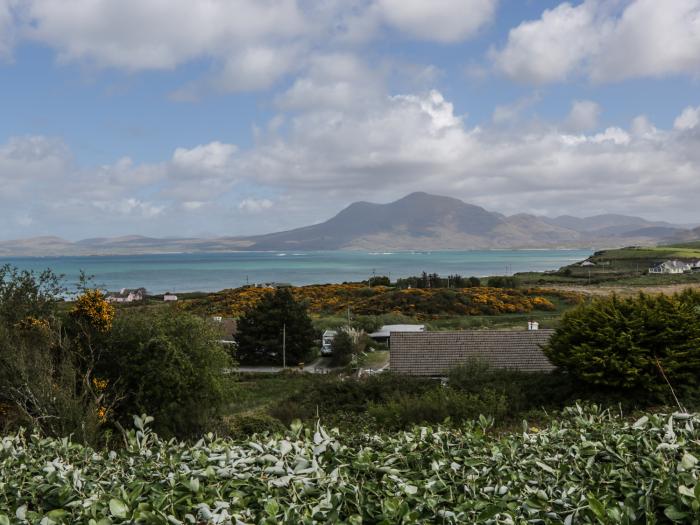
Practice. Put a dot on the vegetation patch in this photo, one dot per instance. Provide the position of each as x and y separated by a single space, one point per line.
588 466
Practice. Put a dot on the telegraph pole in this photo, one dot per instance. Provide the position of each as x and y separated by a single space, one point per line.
284 345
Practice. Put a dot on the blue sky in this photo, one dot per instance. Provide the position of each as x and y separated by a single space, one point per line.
230 117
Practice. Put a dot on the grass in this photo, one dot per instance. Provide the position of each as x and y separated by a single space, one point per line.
376 359
256 392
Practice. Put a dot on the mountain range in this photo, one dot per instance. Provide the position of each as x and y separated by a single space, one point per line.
419 221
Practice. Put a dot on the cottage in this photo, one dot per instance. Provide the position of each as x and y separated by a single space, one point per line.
228 328
169 297
433 354
670 267
127 296
383 335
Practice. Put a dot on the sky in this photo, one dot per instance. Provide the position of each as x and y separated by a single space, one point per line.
236 117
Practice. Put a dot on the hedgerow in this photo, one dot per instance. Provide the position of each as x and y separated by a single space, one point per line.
588 466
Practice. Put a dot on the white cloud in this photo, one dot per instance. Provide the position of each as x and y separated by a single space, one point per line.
689 119
647 38
583 115
251 205
214 157
438 20
6 29
324 158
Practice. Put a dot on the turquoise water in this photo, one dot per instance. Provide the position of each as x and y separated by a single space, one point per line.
215 271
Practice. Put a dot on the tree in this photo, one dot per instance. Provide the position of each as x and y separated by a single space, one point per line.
260 331
632 343
168 365
343 349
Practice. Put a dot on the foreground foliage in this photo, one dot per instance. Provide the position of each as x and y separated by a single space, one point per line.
587 467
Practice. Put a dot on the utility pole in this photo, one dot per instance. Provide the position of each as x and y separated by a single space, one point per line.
284 345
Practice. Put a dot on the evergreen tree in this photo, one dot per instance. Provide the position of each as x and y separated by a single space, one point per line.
343 349
260 331
631 343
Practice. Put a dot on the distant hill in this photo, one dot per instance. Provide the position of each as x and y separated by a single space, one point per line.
419 221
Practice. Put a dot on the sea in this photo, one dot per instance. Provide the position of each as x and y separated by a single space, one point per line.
208 272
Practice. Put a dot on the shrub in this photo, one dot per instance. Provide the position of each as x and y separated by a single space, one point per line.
502 281
245 425
436 406
631 343
168 365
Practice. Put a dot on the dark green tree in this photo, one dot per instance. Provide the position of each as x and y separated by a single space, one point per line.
260 331
502 281
343 349
632 343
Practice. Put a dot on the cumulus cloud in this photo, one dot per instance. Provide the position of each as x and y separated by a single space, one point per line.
328 156
596 39
419 143
689 119
583 115
438 20
252 205
250 44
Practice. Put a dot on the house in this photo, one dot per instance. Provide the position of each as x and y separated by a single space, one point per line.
169 297
673 267
228 328
433 354
587 263
327 342
383 335
127 296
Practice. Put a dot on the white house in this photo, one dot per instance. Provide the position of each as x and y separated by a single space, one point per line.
169 297
127 296
673 267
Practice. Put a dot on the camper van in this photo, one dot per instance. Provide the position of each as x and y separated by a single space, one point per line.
327 342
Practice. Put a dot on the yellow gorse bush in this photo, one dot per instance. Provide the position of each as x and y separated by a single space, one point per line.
92 307
337 298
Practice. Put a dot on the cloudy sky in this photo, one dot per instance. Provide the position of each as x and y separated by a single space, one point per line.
229 117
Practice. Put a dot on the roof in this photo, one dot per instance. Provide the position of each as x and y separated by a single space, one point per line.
329 333
672 264
434 353
386 330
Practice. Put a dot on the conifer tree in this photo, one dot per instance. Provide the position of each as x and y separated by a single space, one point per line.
262 328
631 343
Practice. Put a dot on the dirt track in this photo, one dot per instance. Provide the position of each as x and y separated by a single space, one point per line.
627 290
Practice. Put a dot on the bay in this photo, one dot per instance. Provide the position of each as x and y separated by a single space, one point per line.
207 272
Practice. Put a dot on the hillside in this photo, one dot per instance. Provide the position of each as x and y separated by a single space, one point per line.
418 221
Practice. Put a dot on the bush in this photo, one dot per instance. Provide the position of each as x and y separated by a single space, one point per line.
246 425
168 365
632 343
436 406
502 281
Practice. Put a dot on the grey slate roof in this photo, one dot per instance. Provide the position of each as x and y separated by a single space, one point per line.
434 353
